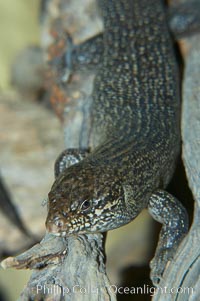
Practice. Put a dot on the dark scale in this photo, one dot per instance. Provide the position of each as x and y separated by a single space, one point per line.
135 134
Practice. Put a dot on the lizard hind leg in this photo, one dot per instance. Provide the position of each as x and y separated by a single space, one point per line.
167 210
69 157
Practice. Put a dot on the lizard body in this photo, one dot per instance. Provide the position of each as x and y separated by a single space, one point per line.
135 135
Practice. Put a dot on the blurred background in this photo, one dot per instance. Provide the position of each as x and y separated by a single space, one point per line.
19 29
25 142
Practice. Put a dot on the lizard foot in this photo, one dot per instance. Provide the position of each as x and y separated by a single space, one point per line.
167 210
159 263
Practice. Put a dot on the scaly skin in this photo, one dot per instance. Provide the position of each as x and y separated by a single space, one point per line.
135 135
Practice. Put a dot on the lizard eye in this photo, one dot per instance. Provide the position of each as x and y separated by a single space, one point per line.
85 205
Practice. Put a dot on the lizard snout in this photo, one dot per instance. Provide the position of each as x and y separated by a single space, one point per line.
56 225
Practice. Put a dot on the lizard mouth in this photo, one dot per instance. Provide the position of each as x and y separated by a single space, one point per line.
59 227
60 234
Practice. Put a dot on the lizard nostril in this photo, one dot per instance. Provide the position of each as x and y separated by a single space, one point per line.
59 223
56 225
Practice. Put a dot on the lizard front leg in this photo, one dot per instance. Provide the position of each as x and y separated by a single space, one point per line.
69 157
80 57
167 210
184 18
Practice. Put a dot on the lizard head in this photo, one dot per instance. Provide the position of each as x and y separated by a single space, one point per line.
83 200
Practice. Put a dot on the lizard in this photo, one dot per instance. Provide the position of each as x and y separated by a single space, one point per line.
134 140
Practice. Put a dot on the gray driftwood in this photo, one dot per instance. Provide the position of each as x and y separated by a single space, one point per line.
65 269
184 271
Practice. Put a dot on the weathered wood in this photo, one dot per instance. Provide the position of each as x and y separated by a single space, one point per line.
72 269
184 270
